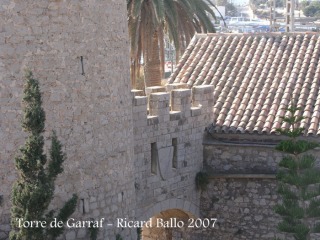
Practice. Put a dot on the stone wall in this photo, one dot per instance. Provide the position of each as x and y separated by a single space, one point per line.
242 190
128 156
243 208
78 50
173 121
90 107
222 157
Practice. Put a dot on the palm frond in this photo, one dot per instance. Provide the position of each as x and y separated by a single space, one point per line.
136 7
178 19
159 9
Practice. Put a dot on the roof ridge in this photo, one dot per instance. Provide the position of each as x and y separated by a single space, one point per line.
203 35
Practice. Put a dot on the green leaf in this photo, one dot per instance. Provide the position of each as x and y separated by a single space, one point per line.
64 213
301 232
285 191
57 157
314 209
33 191
296 147
296 178
306 161
316 228
179 20
288 162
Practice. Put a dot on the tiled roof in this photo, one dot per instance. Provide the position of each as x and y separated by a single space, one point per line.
255 77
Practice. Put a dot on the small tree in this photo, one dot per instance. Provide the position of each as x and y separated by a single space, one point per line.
34 189
298 181
310 9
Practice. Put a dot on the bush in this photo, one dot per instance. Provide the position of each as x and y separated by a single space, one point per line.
202 181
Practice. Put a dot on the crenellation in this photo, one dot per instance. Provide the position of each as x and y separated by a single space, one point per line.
159 105
154 89
175 115
136 92
177 104
181 101
202 95
172 86
140 101
152 120
112 138
171 115
195 111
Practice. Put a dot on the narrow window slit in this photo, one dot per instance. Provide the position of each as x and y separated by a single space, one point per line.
154 156
82 206
82 67
175 153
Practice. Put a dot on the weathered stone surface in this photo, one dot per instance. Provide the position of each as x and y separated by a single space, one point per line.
226 158
187 131
71 235
108 134
91 110
243 208
165 162
243 205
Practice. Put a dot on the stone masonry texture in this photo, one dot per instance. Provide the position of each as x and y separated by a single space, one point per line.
233 158
91 111
79 52
243 208
128 155
168 117
243 205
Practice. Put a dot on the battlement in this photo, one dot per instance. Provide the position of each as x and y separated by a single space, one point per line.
173 102
168 127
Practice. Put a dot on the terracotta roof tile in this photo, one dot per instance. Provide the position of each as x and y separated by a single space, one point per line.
255 78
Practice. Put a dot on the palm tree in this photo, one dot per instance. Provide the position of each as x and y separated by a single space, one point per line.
150 20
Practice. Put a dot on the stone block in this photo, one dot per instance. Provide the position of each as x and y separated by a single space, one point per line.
155 89
172 86
136 92
159 104
81 233
159 96
175 115
181 100
140 100
165 162
181 93
138 109
195 111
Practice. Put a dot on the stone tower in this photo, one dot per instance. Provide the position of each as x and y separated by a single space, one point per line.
78 50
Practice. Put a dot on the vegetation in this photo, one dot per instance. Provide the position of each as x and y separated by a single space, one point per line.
310 8
118 237
139 233
93 231
266 4
231 9
150 20
34 189
298 182
202 181
260 13
261 8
